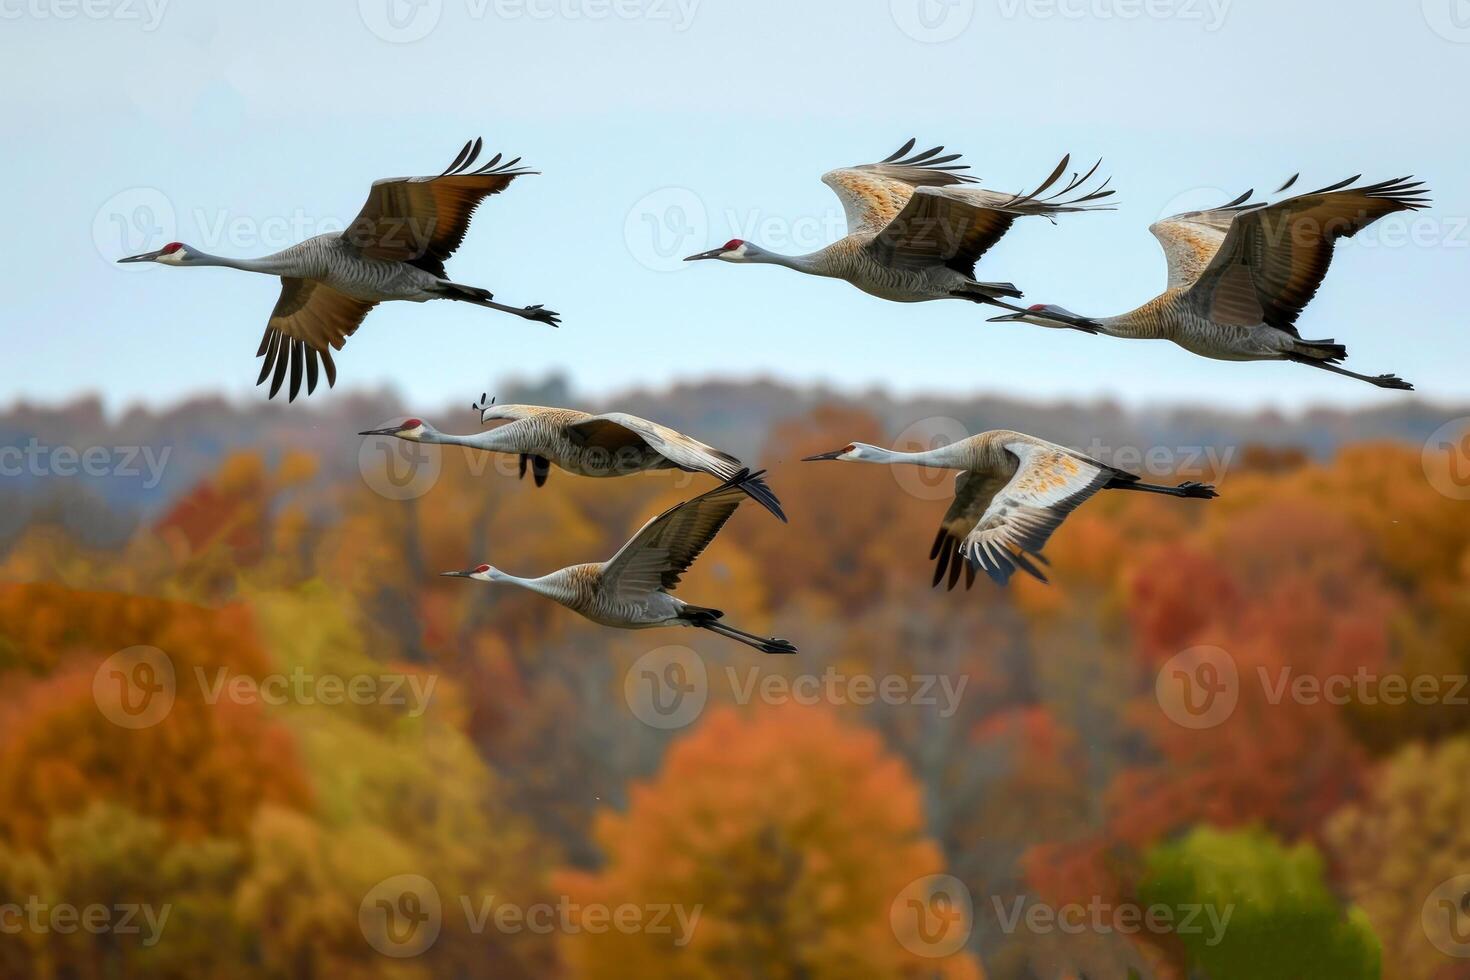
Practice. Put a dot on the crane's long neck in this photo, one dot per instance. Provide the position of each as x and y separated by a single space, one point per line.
955 456
270 265
490 441
551 586
810 263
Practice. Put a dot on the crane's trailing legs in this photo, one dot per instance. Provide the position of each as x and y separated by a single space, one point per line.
1380 380
485 298
705 618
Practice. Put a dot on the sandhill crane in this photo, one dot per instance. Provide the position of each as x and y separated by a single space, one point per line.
612 444
915 231
631 589
1012 492
1240 276
393 250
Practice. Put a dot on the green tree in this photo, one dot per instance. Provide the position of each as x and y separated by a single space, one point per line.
1283 921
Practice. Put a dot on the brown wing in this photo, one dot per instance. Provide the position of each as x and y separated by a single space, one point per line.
956 226
309 319
1049 483
659 554
424 219
872 194
1274 258
972 494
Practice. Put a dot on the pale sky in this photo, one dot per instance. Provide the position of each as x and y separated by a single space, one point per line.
665 127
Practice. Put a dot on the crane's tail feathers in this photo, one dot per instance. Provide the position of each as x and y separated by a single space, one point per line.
986 292
280 352
1321 350
1190 488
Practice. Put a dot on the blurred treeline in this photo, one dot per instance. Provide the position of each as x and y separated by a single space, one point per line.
1059 779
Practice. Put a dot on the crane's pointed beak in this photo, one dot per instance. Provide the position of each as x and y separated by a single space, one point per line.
143 257
713 253
1007 318
464 574
392 430
834 454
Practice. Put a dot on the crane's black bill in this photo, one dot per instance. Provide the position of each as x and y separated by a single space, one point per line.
713 253
143 257
391 430
1005 318
832 455
464 574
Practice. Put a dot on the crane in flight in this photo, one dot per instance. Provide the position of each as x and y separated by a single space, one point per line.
607 445
1012 492
916 228
1241 274
631 590
394 249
